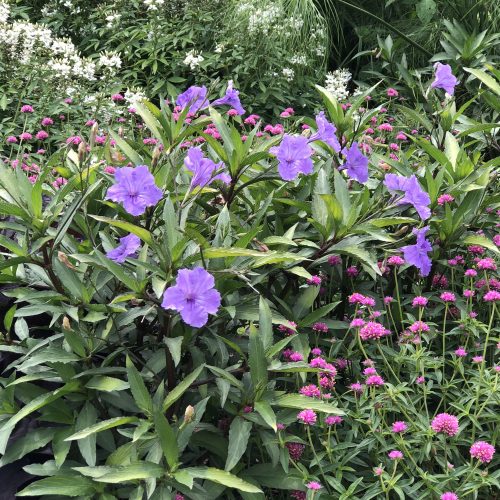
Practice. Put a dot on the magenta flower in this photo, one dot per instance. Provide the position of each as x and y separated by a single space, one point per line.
419 326
307 417
487 264
46 121
27 109
445 198
492 296
444 78
194 97
311 391
326 132
356 387
314 485
419 301
128 246
413 193
135 188
11 139
296 356
25 136
203 169
194 296
374 380
482 451
356 163
41 135
392 92
231 99
445 423
395 260
295 450
373 331
333 420
294 157
395 455
460 352
416 255
448 495
448 297
399 426
320 327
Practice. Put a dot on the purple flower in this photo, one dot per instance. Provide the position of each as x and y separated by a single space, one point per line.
128 246
413 193
135 188
326 132
231 98
416 255
356 163
294 156
444 78
193 295
194 97
203 169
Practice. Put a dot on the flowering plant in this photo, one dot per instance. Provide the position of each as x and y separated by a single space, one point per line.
224 307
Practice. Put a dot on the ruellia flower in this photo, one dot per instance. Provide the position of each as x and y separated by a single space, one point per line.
135 188
294 157
413 193
483 451
231 99
307 417
325 132
445 423
203 169
128 246
194 97
417 255
356 163
444 78
194 296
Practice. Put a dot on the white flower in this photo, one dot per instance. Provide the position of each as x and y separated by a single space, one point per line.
133 97
110 60
153 4
288 73
193 59
336 83
4 12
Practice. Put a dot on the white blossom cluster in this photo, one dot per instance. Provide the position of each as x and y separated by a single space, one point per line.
336 83
193 59
154 4
25 43
112 19
110 60
298 60
288 73
134 96
261 20
4 12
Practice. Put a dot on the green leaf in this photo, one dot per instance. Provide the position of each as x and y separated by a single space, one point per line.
265 323
119 272
239 433
301 402
142 233
132 472
70 486
174 345
87 444
317 314
33 440
101 426
257 361
135 157
138 388
263 408
179 390
481 241
488 80
168 440
222 477
107 384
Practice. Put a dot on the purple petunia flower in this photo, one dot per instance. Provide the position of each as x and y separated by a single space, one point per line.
193 295
326 132
203 169
194 97
416 255
413 193
444 78
294 156
356 163
135 188
231 98
128 246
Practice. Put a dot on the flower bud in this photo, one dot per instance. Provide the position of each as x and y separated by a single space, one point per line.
189 414
66 324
